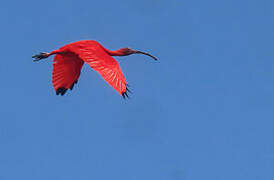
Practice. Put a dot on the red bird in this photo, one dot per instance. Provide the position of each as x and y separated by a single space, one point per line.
69 59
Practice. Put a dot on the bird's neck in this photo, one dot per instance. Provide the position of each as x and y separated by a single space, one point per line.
118 52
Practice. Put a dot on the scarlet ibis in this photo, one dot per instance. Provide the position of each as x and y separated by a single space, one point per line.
69 59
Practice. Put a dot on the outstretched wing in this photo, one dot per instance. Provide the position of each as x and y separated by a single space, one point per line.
96 56
66 71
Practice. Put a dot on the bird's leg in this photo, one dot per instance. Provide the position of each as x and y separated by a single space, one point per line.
44 55
40 56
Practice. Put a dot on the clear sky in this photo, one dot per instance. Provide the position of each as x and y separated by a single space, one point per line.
205 111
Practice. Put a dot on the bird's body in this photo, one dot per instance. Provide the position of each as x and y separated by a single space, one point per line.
69 59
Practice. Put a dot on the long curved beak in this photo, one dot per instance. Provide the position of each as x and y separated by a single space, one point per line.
140 52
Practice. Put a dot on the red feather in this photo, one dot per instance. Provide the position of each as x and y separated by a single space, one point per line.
66 71
69 59
96 56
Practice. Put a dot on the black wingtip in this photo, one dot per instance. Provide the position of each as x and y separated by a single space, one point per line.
125 94
71 87
127 90
61 91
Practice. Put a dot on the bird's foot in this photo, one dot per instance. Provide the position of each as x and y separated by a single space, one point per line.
40 56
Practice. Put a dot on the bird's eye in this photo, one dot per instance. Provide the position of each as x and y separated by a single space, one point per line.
126 50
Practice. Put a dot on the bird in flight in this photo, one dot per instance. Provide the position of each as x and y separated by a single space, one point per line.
69 59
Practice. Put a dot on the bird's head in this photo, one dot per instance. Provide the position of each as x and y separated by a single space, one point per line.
128 51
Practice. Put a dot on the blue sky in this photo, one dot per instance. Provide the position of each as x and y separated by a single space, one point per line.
204 111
